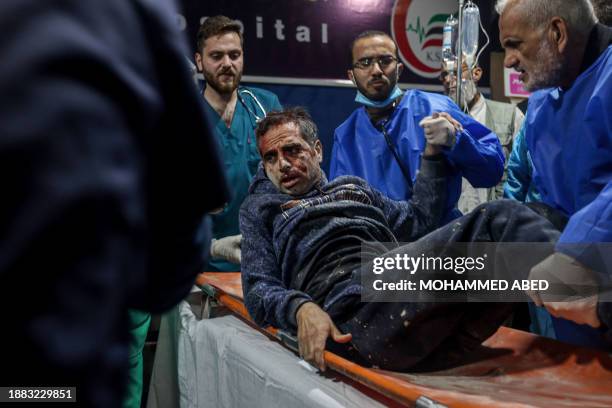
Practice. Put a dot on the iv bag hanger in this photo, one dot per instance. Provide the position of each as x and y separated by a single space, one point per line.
459 51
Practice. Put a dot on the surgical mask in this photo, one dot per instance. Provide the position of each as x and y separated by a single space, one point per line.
364 100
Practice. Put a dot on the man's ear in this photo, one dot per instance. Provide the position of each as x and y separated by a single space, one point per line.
198 60
400 69
477 74
558 34
351 76
261 162
319 150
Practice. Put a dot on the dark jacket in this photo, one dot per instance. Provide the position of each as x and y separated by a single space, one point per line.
108 169
287 241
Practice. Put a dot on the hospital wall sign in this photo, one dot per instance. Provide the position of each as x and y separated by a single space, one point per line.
416 26
293 40
513 87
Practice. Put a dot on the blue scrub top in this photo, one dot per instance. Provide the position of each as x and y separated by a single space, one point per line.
569 135
240 157
361 150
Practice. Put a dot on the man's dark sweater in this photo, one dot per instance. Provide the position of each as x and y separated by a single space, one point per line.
307 248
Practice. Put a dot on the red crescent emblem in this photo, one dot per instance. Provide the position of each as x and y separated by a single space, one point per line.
401 38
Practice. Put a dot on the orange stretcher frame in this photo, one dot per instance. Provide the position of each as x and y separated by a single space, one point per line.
514 369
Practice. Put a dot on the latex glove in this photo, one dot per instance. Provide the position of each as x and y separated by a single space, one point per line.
314 327
227 248
573 289
440 129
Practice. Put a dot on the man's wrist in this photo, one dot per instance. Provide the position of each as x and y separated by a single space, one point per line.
432 151
303 308
433 166
294 306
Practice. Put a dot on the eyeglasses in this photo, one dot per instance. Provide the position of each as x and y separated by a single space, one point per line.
383 62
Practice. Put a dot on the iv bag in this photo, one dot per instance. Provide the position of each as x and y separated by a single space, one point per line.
470 26
449 41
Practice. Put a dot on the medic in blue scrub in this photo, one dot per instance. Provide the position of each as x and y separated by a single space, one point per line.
568 131
234 111
383 141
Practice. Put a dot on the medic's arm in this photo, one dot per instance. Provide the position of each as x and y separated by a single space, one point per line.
519 170
588 234
588 238
477 152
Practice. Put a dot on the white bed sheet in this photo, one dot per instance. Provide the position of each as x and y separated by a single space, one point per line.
223 362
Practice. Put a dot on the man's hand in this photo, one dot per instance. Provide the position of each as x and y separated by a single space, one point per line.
227 248
440 129
572 281
314 326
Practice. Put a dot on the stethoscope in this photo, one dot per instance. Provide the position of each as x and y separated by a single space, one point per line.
240 98
248 108
251 112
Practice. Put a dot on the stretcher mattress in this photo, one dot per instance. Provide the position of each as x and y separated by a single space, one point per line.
512 369
223 362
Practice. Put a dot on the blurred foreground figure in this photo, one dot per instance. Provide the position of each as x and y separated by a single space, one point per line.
103 144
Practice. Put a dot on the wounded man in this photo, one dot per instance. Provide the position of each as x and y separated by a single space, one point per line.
301 249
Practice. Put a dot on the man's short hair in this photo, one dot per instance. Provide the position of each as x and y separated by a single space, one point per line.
297 115
215 26
369 34
578 14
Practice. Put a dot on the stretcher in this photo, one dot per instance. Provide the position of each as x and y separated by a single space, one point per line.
513 369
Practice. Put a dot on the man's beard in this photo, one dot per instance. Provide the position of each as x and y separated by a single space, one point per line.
379 96
548 71
374 96
222 88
